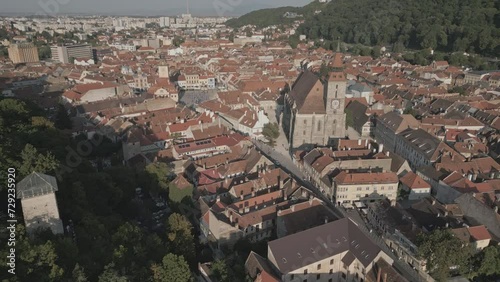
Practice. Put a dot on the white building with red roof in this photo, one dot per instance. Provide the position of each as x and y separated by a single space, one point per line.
415 186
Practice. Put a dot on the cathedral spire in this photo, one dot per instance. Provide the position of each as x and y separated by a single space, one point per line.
337 61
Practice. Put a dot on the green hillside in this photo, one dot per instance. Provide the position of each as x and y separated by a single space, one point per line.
447 25
274 16
444 25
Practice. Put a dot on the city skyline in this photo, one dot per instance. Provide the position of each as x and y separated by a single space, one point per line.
142 8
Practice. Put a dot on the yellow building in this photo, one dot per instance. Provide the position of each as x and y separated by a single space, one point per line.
23 53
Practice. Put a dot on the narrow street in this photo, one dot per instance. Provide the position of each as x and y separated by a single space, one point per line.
286 163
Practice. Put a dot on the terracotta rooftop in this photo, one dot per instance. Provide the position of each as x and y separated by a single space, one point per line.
344 178
413 181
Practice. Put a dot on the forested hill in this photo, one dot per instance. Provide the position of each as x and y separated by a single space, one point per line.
446 25
275 16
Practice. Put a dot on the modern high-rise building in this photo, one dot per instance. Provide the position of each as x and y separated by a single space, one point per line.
164 22
64 53
23 53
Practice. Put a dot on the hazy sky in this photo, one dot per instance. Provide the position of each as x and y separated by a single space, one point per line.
142 7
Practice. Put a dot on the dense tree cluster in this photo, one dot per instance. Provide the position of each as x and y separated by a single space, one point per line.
447 25
445 254
103 239
444 25
268 17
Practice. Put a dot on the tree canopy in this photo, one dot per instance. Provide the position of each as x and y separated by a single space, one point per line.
181 236
447 25
442 251
271 131
109 235
172 268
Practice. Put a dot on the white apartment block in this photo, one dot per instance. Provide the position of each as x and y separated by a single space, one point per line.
365 187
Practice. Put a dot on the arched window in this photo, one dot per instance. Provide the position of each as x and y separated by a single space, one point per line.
319 125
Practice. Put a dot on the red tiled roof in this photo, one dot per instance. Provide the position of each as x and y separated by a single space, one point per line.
345 178
414 181
479 233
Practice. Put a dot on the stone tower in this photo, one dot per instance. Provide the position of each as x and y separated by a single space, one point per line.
39 204
335 101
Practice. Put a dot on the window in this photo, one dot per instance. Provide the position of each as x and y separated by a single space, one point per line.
358 189
343 275
331 271
331 261
305 271
319 266
318 276
292 276
305 122
319 125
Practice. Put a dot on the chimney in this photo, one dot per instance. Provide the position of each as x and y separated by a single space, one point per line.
387 153
292 208
380 147
495 209
217 199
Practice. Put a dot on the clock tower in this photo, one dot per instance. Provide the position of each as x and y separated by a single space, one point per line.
335 100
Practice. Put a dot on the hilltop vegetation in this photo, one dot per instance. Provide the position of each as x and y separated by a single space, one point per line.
444 25
267 17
